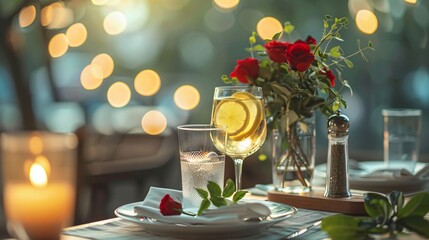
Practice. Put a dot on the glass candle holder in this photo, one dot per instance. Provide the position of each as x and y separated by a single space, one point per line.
39 176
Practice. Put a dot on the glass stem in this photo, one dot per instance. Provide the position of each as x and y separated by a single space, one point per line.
238 166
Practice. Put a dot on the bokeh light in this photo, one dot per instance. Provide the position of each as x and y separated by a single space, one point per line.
267 27
154 122
115 23
119 94
147 82
106 63
366 21
58 45
91 77
411 1
27 16
226 4
76 34
186 97
46 15
61 16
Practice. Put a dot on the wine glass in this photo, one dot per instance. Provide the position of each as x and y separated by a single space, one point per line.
241 110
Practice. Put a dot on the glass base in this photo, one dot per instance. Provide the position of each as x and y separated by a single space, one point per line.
292 187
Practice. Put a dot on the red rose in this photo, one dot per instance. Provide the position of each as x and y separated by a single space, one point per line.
299 56
246 70
329 75
277 51
170 207
310 40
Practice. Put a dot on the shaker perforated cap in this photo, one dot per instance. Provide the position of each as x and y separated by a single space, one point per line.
338 125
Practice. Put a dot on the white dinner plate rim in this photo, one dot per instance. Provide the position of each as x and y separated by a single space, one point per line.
203 230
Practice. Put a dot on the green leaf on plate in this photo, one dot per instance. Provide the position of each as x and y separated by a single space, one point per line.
214 189
203 193
229 188
218 201
238 195
205 204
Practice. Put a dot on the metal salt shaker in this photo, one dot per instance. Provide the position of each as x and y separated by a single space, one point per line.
337 182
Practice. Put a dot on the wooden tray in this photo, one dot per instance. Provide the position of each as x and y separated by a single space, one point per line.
315 200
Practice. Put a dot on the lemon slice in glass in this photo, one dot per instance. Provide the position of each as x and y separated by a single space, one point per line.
254 107
233 114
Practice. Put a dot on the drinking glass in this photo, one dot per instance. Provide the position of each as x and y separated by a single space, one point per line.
241 110
401 128
202 159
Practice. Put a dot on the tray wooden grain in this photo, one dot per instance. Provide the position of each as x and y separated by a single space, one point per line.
315 200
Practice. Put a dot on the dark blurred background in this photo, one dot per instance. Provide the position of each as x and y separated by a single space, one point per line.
123 74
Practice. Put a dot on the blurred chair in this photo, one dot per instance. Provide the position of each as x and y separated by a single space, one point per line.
133 159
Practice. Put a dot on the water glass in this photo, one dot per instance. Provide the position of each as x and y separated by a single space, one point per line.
39 177
401 129
202 158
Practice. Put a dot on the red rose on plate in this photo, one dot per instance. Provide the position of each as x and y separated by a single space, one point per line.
329 75
277 51
310 40
169 207
246 70
299 56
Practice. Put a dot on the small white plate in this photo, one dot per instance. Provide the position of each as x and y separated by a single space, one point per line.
381 184
279 212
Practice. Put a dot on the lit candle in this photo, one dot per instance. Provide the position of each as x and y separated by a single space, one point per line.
39 208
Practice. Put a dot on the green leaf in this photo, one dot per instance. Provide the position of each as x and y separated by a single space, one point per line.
229 188
252 40
277 36
342 226
416 224
214 189
205 204
256 48
396 199
336 105
238 195
203 193
288 28
417 206
218 201
370 44
348 63
335 52
374 204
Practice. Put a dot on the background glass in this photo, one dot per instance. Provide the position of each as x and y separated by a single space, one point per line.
202 158
401 137
39 175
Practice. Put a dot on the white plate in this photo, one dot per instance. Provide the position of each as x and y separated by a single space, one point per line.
358 180
279 212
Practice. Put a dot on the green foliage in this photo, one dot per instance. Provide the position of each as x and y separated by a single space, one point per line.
386 215
217 197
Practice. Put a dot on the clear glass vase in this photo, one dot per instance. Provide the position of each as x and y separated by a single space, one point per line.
293 156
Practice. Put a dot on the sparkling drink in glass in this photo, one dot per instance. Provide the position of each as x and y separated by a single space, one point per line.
202 159
197 169
241 110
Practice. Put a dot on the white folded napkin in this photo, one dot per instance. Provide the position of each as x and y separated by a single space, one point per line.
235 213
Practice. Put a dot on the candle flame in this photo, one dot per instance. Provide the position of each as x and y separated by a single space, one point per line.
38 175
